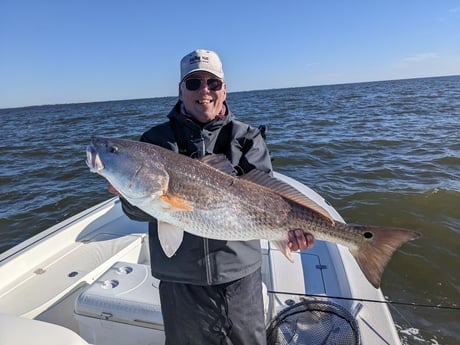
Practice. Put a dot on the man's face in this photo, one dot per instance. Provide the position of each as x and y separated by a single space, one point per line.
204 103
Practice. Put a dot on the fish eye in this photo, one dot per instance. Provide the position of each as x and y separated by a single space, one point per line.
368 235
113 149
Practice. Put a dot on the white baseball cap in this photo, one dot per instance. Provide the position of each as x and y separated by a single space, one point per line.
201 60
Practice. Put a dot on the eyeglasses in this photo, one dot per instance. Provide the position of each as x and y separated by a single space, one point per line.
194 84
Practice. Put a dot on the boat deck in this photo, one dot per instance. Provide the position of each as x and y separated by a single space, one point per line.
57 264
42 277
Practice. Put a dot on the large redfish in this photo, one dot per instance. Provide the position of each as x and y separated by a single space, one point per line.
203 197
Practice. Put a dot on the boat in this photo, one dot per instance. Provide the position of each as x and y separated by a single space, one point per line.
87 281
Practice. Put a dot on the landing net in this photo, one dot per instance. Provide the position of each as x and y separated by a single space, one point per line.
313 323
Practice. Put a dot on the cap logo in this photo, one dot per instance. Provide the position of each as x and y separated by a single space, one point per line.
198 59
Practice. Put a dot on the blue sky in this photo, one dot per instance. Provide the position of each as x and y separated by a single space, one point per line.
67 51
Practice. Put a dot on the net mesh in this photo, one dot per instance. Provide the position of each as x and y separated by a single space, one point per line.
313 322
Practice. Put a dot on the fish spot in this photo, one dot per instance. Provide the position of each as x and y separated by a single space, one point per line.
368 235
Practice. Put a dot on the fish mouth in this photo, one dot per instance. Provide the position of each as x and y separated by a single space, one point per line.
93 161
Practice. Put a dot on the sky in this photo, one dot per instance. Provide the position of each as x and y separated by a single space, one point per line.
72 51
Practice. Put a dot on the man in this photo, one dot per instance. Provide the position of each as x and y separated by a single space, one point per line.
210 290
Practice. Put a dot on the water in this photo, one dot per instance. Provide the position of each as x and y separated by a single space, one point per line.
385 153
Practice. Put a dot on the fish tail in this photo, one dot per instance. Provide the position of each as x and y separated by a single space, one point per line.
377 247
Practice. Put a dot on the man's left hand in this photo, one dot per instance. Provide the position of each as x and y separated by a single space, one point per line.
300 240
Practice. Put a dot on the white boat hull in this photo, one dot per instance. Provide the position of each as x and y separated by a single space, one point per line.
44 278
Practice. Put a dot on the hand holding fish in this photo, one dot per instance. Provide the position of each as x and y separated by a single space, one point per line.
300 240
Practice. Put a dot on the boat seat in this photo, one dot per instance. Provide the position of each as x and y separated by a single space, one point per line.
16 330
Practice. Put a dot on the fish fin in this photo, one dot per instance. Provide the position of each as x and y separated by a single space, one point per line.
286 191
378 245
176 202
170 238
219 162
283 247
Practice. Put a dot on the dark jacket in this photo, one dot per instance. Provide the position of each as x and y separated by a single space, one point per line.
199 260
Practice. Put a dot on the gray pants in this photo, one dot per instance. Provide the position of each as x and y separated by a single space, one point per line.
225 314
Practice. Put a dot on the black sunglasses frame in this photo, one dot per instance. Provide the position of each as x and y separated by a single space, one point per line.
193 84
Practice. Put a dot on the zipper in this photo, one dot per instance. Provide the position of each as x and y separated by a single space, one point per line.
207 261
203 147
